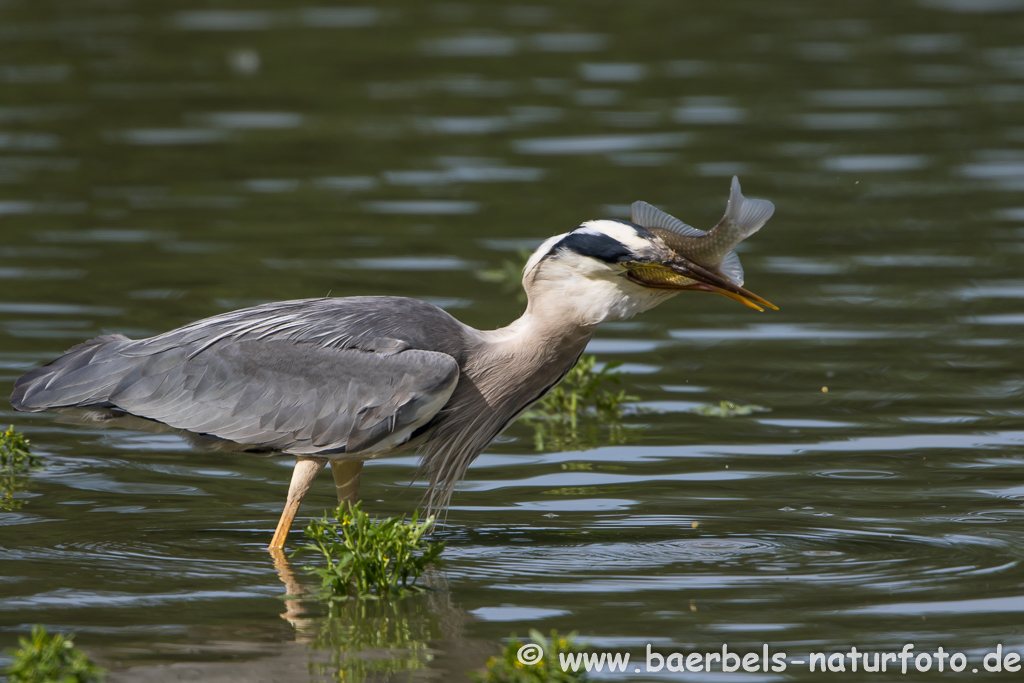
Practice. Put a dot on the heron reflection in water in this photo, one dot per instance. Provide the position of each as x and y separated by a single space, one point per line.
344 380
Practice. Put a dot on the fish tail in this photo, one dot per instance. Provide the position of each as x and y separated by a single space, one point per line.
744 216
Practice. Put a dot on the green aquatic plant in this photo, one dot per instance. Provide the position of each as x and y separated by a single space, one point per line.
368 558
576 413
537 661
728 409
15 451
45 658
16 460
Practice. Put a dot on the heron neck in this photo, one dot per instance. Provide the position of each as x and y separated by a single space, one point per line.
542 327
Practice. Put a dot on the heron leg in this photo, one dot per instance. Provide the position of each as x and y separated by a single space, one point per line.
303 475
346 479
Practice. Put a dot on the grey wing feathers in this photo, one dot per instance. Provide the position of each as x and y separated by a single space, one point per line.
314 376
647 216
82 376
298 398
372 323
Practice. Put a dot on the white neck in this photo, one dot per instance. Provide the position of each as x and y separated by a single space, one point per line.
584 292
567 301
542 325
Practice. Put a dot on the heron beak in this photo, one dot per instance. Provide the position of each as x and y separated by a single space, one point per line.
683 274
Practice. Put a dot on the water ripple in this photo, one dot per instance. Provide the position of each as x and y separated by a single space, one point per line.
600 144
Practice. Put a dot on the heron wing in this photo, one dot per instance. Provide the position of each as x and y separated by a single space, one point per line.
381 324
294 397
356 374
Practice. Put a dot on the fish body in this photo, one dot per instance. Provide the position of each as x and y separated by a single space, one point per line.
712 249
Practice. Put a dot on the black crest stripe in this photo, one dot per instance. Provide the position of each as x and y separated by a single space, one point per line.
599 246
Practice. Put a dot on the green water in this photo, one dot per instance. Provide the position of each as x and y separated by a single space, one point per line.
162 162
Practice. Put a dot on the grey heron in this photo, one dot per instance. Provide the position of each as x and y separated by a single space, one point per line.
344 380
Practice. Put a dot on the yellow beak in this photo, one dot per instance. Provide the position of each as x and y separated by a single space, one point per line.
683 274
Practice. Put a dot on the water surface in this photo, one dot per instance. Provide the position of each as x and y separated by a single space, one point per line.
161 162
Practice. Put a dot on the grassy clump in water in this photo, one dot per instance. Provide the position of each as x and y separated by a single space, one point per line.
574 413
538 661
51 659
368 558
728 409
16 460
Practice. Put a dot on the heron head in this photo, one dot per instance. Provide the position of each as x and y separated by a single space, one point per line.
614 269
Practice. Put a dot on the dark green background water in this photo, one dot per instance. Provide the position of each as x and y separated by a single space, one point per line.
161 162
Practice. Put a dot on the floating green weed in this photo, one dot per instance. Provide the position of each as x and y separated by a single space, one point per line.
575 413
51 659
367 558
16 460
509 666
728 409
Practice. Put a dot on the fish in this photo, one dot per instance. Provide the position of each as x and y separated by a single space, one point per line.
712 249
